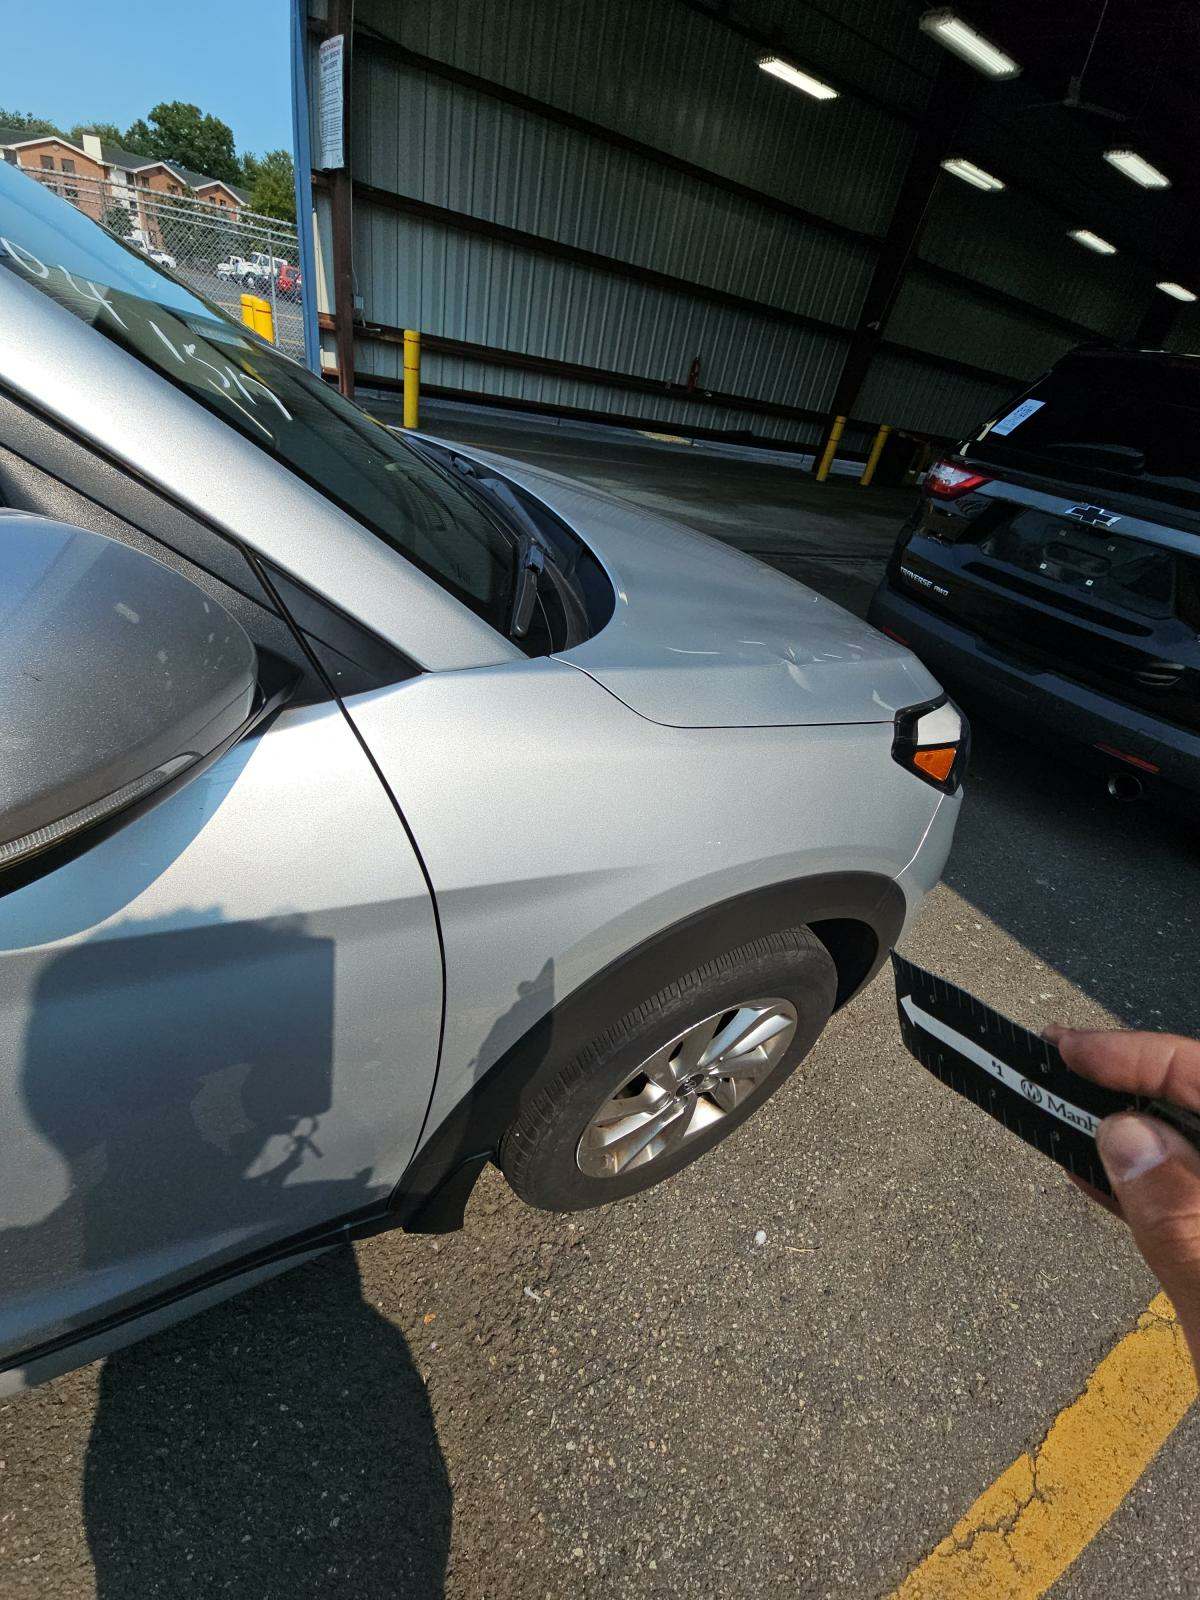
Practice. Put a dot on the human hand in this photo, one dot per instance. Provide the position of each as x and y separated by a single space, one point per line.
1154 1171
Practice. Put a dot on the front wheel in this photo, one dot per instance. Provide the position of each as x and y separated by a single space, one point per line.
670 1079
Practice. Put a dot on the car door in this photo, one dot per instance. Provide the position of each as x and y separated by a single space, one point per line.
218 1025
219 1028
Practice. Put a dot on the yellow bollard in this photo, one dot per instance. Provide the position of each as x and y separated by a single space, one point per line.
835 435
412 376
877 445
256 314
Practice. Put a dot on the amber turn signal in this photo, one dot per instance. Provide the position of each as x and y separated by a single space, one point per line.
938 762
932 741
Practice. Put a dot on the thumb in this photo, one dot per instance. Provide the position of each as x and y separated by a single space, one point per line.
1155 1174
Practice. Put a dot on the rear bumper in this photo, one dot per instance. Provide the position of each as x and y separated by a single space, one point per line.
1039 705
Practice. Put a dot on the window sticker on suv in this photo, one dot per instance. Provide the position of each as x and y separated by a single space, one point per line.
1017 416
1108 422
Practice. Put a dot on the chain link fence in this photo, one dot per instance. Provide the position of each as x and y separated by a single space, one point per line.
222 251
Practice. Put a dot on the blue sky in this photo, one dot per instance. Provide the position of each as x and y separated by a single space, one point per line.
79 62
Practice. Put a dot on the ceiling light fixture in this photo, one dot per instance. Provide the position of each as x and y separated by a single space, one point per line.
804 81
972 47
1137 168
970 173
1176 291
1093 241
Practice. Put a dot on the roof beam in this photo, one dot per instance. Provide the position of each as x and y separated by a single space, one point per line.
948 103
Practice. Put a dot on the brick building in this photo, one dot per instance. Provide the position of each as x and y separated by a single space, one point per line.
96 174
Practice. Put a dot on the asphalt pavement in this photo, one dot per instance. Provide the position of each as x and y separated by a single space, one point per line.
643 1400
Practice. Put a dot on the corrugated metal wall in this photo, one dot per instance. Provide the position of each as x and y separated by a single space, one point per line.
1185 336
422 275
448 145
662 74
1022 248
997 288
420 136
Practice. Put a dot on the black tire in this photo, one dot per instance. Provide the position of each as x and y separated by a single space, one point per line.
250 283
538 1151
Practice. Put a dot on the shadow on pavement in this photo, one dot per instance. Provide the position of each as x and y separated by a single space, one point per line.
1102 892
280 1445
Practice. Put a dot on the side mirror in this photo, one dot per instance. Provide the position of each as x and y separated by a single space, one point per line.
116 676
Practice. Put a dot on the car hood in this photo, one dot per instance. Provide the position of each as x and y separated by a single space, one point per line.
704 636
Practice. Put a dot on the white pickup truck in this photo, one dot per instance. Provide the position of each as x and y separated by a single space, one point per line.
250 271
162 258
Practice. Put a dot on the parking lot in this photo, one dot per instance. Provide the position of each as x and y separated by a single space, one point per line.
643 1400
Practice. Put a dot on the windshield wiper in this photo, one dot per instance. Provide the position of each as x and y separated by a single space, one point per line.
537 556
531 563
531 553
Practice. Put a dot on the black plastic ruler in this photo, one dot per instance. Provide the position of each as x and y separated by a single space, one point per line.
1013 1075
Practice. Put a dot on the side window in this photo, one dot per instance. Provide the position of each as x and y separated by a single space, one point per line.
298 634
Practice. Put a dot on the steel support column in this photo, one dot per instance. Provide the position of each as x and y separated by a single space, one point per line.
341 200
948 99
302 144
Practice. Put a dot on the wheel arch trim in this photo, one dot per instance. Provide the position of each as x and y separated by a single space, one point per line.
856 915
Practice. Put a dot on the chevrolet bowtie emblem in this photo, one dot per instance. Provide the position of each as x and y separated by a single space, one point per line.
1096 515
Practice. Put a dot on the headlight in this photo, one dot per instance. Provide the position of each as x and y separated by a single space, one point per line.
932 741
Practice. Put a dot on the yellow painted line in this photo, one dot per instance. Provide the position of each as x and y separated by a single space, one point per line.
1042 1511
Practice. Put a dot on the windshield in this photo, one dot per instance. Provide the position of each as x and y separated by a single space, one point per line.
1123 421
280 406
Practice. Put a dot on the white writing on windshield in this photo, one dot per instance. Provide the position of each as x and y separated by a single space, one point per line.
233 385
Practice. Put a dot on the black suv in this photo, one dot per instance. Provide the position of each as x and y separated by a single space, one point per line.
1051 573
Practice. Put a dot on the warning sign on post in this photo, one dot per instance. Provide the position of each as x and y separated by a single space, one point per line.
331 103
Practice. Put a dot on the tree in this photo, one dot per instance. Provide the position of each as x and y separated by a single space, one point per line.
177 131
28 124
271 181
116 219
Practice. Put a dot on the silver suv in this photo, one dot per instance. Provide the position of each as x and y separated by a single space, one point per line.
372 809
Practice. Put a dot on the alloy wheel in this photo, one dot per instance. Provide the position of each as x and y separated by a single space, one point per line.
686 1086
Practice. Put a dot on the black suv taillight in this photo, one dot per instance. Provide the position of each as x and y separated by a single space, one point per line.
947 480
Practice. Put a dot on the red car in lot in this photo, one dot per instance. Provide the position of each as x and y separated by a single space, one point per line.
287 281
